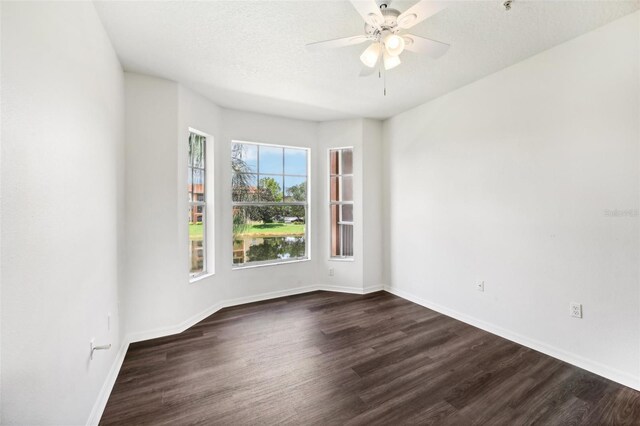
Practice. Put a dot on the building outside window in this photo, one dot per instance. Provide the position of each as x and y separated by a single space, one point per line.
270 203
341 202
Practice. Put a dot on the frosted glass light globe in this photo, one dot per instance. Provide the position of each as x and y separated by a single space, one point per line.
394 44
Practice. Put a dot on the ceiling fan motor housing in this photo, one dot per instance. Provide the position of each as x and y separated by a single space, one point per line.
390 24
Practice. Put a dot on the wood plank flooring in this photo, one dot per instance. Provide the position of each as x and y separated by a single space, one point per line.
329 358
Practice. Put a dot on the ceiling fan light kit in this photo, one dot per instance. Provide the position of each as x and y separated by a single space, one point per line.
384 29
371 54
390 61
393 44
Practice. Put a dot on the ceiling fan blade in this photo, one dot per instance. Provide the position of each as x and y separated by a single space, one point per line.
369 11
338 42
414 43
419 12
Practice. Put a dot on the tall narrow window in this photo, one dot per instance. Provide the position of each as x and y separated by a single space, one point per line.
341 202
270 203
197 205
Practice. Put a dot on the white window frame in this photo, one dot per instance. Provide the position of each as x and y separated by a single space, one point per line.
307 206
208 247
340 202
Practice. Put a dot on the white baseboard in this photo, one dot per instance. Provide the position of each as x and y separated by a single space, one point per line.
571 358
189 322
105 391
340 288
168 331
270 295
349 289
373 288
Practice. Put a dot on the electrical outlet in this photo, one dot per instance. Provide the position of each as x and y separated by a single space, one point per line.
575 310
480 286
331 272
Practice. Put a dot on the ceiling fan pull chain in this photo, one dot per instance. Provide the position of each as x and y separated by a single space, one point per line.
380 64
385 84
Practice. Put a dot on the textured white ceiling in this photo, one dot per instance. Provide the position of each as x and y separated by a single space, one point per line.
250 55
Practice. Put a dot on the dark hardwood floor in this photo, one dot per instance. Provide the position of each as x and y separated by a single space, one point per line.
331 358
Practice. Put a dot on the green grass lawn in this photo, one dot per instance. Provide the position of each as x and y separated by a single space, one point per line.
267 229
257 230
195 229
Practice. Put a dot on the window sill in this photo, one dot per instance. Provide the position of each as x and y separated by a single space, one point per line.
341 259
200 277
239 268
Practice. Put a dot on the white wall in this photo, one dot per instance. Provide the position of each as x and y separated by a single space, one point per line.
346 274
252 127
508 180
62 153
372 175
153 277
364 272
158 297
1 106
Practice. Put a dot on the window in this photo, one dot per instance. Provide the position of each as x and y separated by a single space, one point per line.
196 183
341 202
270 203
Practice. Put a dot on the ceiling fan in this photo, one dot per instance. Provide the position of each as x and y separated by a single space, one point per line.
384 28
